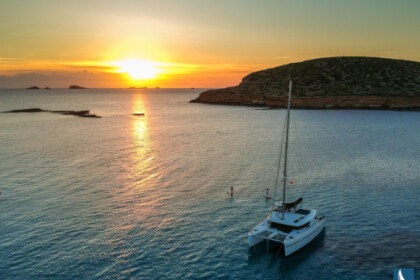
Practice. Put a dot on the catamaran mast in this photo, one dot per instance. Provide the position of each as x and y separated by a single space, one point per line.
285 149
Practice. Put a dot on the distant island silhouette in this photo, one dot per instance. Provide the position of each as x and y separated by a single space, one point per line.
328 83
35 87
76 87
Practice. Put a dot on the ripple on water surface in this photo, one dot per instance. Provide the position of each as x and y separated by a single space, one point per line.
125 197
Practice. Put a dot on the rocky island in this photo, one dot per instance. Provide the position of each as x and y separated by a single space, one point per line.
328 83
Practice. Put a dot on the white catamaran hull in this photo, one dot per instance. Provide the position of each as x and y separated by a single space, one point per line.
254 240
302 239
260 233
292 241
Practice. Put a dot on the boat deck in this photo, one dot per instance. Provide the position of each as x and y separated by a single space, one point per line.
272 235
297 218
302 211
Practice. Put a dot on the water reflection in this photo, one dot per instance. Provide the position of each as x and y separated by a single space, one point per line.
145 174
141 156
136 203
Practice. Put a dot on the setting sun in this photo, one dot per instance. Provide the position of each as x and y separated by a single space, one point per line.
137 69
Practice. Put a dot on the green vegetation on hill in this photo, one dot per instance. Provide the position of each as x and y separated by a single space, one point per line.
336 82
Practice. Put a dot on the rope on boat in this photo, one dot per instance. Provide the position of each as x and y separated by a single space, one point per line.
278 252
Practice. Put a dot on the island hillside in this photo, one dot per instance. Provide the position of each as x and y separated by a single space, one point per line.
328 83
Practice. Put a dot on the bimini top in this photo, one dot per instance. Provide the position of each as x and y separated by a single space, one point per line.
292 205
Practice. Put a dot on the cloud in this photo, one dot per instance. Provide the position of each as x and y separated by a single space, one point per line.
95 68
8 60
92 74
61 79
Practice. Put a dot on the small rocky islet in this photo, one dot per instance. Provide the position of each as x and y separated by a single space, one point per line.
328 83
70 87
82 113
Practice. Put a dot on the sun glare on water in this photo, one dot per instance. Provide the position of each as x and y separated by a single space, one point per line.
137 69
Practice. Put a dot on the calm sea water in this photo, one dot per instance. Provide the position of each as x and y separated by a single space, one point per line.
146 197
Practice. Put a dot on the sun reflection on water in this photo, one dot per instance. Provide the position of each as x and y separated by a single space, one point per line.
141 156
139 200
145 174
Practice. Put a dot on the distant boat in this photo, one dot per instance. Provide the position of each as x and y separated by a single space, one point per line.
138 114
288 224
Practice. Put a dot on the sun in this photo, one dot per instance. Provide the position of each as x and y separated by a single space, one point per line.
137 69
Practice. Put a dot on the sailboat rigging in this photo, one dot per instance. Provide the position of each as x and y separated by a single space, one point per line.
288 224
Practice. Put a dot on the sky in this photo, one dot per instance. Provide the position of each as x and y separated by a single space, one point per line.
191 43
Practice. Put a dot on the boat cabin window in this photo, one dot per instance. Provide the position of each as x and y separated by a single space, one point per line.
303 212
286 228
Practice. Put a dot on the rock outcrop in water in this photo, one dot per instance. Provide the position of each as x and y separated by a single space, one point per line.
328 83
82 114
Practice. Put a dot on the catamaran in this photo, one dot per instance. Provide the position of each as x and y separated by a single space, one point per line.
288 224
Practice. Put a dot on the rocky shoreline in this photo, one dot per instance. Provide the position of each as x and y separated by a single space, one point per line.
336 102
328 83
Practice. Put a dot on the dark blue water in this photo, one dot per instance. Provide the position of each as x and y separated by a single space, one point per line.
146 197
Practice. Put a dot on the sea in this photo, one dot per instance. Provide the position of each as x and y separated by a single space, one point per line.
148 197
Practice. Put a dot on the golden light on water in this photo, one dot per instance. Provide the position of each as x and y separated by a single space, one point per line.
142 156
139 127
140 201
140 133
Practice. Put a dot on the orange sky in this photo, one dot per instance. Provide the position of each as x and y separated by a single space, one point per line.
189 43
